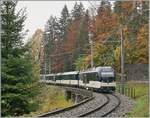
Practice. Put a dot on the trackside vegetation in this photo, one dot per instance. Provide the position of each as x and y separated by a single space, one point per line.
65 45
50 98
141 107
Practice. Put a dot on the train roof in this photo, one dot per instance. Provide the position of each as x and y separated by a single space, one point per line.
68 73
104 68
90 70
52 74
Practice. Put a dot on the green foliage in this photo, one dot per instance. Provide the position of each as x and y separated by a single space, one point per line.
78 11
64 22
19 85
81 63
141 101
103 56
12 25
50 98
71 30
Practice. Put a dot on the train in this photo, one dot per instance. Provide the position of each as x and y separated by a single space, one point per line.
98 79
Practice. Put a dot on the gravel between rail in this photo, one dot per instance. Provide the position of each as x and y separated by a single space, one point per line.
125 106
105 102
100 99
114 101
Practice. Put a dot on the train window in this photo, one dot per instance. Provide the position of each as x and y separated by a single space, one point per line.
47 78
107 79
54 79
92 76
85 78
50 78
81 77
58 77
97 77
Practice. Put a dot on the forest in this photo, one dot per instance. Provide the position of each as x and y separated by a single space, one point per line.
67 45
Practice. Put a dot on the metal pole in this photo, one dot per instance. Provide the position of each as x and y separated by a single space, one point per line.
122 59
45 62
91 43
44 36
92 54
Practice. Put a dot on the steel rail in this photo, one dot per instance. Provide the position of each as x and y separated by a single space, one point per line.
110 111
65 109
101 106
52 113
97 108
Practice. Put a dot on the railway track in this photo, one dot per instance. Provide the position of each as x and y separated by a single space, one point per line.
113 108
100 105
112 103
52 113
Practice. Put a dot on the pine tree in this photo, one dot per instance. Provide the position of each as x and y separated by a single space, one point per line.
71 42
78 11
18 79
64 22
82 35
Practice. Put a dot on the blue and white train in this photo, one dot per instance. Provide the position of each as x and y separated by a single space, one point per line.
99 78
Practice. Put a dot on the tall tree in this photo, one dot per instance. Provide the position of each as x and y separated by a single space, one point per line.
78 11
50 35
72 43
64 21
133 15
18 79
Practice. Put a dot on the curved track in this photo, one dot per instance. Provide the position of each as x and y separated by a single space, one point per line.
113 108
100 105
113 102
52 113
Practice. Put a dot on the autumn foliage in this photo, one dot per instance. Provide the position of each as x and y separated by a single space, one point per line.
71 50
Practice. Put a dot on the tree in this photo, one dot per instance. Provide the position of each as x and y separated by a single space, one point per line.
133 15
50 35
142 44
64 22
12 25
78 11
19 84
72 43
82 34
35 42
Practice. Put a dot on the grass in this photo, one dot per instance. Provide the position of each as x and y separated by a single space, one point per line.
50 98
141 107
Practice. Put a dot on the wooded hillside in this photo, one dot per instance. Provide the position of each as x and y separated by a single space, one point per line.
66 39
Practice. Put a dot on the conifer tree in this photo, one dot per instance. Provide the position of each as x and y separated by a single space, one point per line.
64 22
18 79
78 11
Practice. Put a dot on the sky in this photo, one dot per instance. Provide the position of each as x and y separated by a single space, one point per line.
38 12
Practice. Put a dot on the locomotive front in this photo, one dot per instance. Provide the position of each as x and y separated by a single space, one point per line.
107 78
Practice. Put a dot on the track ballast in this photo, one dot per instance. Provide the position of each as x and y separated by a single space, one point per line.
98 105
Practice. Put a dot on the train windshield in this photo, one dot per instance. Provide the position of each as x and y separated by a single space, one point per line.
107 76
107 79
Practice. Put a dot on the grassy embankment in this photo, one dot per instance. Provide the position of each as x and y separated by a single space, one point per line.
141 107
51 98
